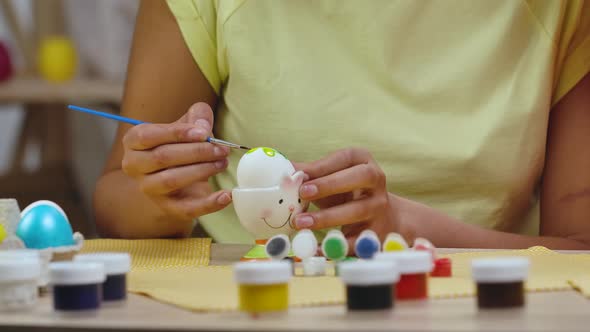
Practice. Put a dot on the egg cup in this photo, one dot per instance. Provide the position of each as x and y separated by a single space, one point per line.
265 212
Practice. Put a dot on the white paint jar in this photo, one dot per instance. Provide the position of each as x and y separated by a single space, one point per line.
18 283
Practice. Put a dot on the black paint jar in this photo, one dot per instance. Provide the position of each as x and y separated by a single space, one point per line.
369 284
500 281
77 286
116 266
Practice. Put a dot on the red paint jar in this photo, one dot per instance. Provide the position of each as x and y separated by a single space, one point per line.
442 268
414 267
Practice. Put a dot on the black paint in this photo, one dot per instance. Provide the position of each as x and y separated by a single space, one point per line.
77 297
500 295
276 246
370 297
115 287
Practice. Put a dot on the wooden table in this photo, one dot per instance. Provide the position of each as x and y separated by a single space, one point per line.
557 311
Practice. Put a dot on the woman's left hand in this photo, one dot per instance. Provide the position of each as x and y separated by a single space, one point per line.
350 189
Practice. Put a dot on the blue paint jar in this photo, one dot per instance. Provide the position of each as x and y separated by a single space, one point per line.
367 244
116 266
77 286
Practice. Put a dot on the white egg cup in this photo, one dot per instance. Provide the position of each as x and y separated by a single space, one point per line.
269 211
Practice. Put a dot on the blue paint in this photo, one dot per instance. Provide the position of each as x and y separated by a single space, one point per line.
115 288
366 247
44 225
77 297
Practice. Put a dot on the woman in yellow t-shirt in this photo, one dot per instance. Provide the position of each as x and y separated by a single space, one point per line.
467 124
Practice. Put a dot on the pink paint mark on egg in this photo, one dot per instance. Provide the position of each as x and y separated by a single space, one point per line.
266 213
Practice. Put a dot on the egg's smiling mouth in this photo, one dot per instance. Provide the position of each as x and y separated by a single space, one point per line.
283 225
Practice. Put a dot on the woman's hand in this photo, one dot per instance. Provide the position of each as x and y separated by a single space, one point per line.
173 162
350 189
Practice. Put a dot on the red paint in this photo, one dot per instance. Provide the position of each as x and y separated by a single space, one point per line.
412 287
442 268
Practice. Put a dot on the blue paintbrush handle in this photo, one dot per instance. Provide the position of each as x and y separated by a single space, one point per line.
137 122
106 115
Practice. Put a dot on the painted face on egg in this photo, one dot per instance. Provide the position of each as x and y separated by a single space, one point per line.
267 198
287 204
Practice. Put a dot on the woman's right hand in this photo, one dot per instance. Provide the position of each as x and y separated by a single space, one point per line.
173 162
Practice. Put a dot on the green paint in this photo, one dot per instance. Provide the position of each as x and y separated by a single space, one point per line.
252 150
334 249
269 152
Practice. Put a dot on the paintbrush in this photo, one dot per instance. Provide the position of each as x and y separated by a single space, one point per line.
137 122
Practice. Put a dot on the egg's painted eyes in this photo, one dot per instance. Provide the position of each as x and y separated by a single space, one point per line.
299 200
281 201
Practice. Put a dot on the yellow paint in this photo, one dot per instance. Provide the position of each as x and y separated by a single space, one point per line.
57 59
393 246
3 233
264 298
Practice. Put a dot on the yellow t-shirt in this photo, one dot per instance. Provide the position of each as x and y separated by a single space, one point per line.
452 98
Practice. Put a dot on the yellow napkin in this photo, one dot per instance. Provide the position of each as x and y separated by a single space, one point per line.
157 254
550 271
176 272
213 289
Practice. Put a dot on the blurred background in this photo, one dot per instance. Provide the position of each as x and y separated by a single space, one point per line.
54 53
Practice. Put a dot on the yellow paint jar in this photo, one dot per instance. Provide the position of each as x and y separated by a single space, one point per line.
263 286
394 242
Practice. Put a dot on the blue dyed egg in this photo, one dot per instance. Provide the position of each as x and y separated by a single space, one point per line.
44 224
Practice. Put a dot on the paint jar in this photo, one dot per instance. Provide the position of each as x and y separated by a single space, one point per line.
18 283
278 247
263 286
116 266
500 281
305 244
442 268
77 286
335 246
422 244
370 285
413 267
367 244
314 266
394 242
44 257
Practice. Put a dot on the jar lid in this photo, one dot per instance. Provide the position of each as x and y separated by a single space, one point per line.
500 269
335 245
305 244
367 244
409 261
278 246
368 272
262 273
20 253
17 269
114 262
76 273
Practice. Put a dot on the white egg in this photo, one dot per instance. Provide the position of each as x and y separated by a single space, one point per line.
263 167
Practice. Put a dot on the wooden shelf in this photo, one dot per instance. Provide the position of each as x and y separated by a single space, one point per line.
34 90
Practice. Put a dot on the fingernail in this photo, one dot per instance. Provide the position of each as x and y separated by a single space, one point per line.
196 134
308 190
221 163
219 152
304 222
224 199
204 124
